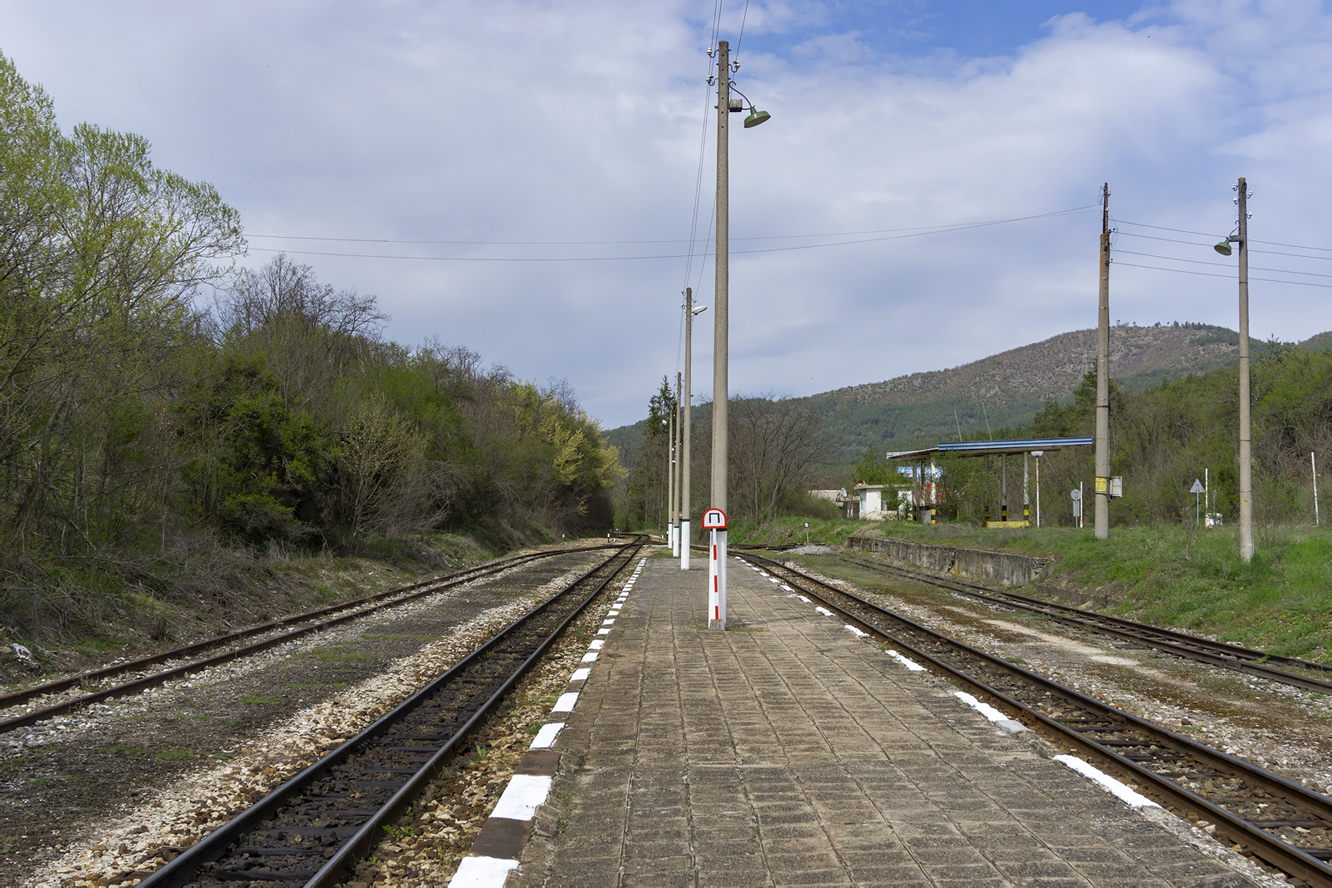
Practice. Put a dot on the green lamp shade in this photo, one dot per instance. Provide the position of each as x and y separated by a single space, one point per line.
756 117
1223 248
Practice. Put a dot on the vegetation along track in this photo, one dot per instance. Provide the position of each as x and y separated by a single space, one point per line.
310 830
1311 676
1271 818
109 681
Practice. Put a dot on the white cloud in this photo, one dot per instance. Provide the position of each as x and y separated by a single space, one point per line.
581 122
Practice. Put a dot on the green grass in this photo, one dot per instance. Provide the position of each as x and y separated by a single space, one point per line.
1171 575
176 755
327 655
252 700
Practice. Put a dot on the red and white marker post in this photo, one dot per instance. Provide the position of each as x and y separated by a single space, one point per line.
714 521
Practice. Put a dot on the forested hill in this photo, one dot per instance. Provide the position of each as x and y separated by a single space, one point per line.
1009 388
1006 389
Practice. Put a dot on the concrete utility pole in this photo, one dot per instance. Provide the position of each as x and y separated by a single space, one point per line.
720 337
670 482
1245 436
686 399
675 481
1102 488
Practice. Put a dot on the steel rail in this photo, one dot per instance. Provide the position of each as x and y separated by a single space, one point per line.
1311 867
186 866
1180 644
359 608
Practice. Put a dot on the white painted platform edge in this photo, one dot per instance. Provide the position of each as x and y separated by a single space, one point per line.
580 674
994 715
589 658
1128 796
482 872
824 611
524 794
858 633
596 645
545 738
565 703
910 664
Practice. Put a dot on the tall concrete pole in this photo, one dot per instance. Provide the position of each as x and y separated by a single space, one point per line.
675 483
721 321
686 400
1245 436
670 481
1102 487
720 336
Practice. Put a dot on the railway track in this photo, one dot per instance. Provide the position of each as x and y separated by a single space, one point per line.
1313 676
1268 817
310 830
135 676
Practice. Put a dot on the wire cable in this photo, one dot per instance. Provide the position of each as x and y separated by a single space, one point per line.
1223 265
1229 276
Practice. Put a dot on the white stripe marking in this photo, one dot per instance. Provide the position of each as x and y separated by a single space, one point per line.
522 797
856 632
597 645
603 632
545 737
589 658
608 622
581 674
482 872
911 665
994 715
1108 783
787 588
823 610
566 702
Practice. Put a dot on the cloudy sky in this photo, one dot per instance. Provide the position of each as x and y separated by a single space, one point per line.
520 177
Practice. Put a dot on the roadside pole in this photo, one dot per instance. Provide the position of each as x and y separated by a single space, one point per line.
686 440
1102 488
720 337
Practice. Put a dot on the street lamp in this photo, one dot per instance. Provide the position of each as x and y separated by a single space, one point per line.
1245 409
720 331
686 399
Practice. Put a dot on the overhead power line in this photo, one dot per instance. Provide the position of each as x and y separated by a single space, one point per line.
890 234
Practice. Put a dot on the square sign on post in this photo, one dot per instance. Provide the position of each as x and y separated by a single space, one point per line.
714 521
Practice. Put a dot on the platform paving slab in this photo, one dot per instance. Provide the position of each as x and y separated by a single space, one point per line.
787 751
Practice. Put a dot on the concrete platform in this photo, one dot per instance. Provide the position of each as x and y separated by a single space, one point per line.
788 751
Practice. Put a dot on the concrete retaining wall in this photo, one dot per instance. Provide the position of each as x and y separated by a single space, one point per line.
1005 568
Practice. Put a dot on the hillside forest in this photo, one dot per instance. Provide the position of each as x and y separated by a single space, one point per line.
166 416
1161 440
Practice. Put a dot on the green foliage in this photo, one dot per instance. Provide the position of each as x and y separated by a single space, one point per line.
253 464
137 431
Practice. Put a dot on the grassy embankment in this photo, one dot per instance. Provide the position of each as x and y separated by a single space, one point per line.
1171 575
123 619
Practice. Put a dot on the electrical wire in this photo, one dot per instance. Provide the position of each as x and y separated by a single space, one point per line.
741 39
1230 276
1223 265
1211 234
897 234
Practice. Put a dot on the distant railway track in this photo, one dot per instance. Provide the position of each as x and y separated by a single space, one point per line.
310 830
1273 819
183 661
1313 676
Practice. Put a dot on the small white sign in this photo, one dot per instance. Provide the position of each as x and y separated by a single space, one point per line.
714 519
1197 487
